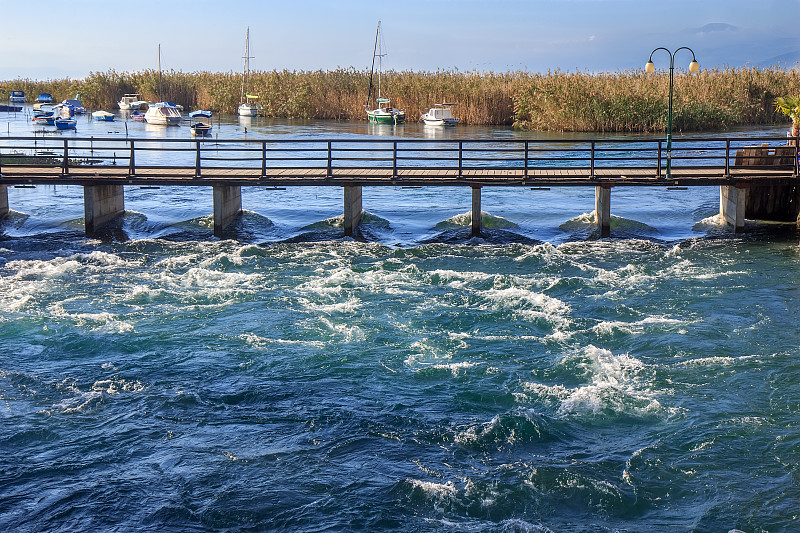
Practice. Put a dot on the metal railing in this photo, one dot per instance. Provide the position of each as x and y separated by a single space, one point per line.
461 155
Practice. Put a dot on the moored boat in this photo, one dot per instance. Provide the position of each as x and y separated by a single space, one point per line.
44 98
163 114
44 118
66 123
384 113
11 108
440 115
131 101
103 115
137 116
200 128
249 106
77 106
17 97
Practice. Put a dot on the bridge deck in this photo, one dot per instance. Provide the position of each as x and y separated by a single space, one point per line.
624 176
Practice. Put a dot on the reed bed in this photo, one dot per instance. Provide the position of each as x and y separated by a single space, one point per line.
629 101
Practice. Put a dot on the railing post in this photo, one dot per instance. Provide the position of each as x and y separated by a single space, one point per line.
526 159
394 159
727 158
132 163
330 159
263 159
65 164
658 172
460 158
591 163
197 161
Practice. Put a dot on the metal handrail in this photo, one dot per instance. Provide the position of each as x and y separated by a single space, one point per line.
395 154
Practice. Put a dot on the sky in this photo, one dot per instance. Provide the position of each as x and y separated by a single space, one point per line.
73 39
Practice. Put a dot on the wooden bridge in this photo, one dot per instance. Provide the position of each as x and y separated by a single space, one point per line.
765 166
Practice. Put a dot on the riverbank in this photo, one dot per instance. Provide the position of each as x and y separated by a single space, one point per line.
623 101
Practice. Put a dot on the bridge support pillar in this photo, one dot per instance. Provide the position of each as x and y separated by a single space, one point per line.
101 205
227 206
352 209
3 200
602 210
477 217
732 204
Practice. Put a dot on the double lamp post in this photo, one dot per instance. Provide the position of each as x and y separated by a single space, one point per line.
649 67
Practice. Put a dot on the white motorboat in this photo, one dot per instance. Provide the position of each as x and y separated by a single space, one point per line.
250 106
162 113
440 115
131 102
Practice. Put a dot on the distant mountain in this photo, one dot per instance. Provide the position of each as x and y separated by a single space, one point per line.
715 26
789 60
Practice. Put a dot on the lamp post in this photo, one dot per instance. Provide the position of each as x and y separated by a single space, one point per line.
649 67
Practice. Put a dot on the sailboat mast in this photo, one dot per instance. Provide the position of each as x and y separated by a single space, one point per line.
372 70
160 99
380 58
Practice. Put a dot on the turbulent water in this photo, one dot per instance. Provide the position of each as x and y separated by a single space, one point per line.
284 378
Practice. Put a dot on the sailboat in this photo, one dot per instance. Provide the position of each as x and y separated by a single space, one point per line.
249 106
384 113
162 113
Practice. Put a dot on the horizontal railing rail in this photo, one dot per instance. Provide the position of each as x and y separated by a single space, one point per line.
399 154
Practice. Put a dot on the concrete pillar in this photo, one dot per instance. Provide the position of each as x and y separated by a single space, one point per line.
3 200
602 210
352 208
732 204
227 206
477 217
101 205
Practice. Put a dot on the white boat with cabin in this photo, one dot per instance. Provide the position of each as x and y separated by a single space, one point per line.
162 113
131 102
440 115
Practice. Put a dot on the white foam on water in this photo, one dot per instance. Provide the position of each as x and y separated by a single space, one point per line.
531 305
634 328
617 383
439 491
85 399
456 368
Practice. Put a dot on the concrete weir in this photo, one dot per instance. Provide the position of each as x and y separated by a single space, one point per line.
352 208
602 210
227 206
477 217
102 204
3 200
732 204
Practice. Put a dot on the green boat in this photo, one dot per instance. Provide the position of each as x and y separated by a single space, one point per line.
384 113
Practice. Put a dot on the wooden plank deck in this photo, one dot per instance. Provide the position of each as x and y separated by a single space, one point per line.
623 176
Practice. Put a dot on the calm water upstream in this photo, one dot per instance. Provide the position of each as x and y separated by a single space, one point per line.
287 379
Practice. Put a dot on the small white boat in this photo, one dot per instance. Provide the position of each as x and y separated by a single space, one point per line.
440 115
250 107
131 102
163 114
103 115
17 97
384 113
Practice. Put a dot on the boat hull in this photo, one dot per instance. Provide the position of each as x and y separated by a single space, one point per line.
249 110
66 123
382 117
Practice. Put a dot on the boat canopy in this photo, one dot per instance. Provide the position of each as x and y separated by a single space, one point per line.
17 93
254 96
382 100
200 113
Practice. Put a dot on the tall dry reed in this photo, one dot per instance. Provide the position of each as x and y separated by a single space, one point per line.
610 102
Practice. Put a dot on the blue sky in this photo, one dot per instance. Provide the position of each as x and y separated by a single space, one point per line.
56 41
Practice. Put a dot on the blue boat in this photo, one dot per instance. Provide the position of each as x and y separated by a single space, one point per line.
200 128
44 118
17 96
11 108
44 98
76 104
103 115
66 123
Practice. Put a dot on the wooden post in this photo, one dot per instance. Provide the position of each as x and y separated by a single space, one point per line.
132 162
477 216
263 159
602 209
227 206
197 161
352 209
101 204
